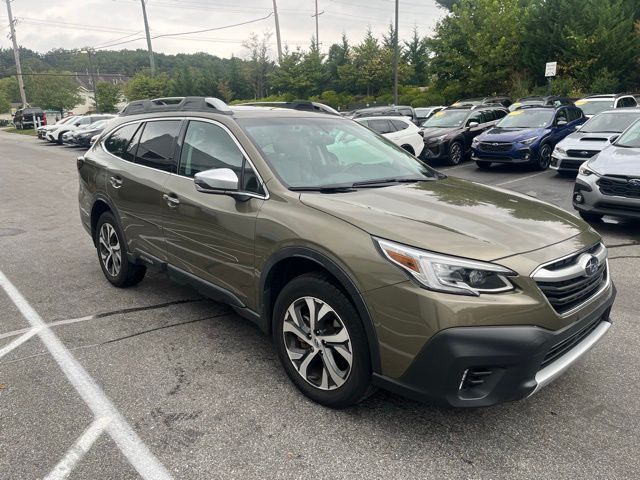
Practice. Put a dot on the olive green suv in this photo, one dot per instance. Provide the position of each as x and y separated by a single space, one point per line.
365 266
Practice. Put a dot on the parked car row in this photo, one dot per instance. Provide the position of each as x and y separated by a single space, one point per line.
75 130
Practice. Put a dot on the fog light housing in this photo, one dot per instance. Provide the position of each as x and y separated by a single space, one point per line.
554 162
578 198
527 156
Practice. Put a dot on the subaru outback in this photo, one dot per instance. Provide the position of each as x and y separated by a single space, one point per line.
365 266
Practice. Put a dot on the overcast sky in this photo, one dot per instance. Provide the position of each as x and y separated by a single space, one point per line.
47 24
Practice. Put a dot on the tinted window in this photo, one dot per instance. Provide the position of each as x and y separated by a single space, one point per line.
476 117
119 140
406 112
157 144
398 125
208 146
561 115
488 116
499 114
381 126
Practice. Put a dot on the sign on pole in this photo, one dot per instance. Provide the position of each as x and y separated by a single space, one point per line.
550 69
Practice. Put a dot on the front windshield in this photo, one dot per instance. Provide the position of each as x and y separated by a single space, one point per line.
610 122
591 107
630 138
325 152
527 119
447 119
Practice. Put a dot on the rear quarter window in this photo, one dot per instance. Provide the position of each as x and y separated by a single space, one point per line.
117 143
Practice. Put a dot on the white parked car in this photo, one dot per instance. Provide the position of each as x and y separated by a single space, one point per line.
599 103
400 130
55 135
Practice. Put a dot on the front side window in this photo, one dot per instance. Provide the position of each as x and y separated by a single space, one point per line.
312 153
499 114
119 140
157 144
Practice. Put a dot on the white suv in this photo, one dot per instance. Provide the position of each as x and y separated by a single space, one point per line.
400 130
599 103
55 135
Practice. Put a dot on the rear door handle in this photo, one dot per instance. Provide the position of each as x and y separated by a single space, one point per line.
116 182
171 200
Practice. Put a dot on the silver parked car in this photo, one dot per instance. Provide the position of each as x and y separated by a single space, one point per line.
609 183
591 137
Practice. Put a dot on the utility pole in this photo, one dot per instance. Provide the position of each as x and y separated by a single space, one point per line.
152 62
317 29
16 54
396 54
88 51
275 13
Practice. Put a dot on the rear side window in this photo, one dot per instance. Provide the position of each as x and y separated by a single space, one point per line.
488 116
499 114
118 141
381 126
399 125
157 144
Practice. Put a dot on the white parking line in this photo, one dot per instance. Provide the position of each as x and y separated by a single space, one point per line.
78 450
30 332
519 179
140 457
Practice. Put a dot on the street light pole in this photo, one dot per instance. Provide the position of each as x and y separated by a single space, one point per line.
152 62
396 54
275 13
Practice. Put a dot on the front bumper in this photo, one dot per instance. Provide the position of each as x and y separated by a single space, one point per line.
518 154
565 163
588 198
482 366
435 150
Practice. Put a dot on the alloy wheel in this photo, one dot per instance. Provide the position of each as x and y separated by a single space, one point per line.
317 343
456 154
110 252
545 157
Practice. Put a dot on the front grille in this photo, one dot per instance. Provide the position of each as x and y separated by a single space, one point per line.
582 153
567 293
567 344
619 186
495 146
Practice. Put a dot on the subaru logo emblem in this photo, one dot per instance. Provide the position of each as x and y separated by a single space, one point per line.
635 182
591 266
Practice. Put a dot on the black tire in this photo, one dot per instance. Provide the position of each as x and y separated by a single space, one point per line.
59 141
544 157
456 153
483 165
357 385
590 217
409 149
128 273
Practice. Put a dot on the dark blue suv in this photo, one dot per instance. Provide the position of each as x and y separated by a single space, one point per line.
527 135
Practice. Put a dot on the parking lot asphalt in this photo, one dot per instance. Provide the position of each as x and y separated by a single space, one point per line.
157 382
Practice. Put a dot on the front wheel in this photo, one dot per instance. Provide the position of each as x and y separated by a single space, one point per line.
544 157
321 342
456 153
112 254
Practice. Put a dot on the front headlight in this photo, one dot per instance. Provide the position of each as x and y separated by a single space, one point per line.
586 171
443 273
475 142
439 139
528 141
560 151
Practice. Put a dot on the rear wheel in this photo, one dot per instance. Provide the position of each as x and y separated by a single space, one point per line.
456 153
321 342
590 217
112 254
544 157
483 165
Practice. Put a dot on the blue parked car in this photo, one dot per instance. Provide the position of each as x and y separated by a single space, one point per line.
527 135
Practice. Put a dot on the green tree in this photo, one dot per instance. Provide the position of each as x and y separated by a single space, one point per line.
416 55
109 95
143 86
258 65
54 92
5 104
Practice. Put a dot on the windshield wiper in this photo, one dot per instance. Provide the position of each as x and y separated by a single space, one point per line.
384 181
338 188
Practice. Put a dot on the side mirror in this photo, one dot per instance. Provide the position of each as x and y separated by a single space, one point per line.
473 124
561 122
217 180
613 139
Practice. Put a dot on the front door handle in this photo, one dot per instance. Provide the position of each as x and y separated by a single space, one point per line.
171 200
116 182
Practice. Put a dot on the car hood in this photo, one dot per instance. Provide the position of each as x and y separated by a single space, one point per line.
430 132
617 161
452 216
586 141
498 134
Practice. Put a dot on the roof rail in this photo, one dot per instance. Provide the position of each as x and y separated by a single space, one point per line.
176 104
